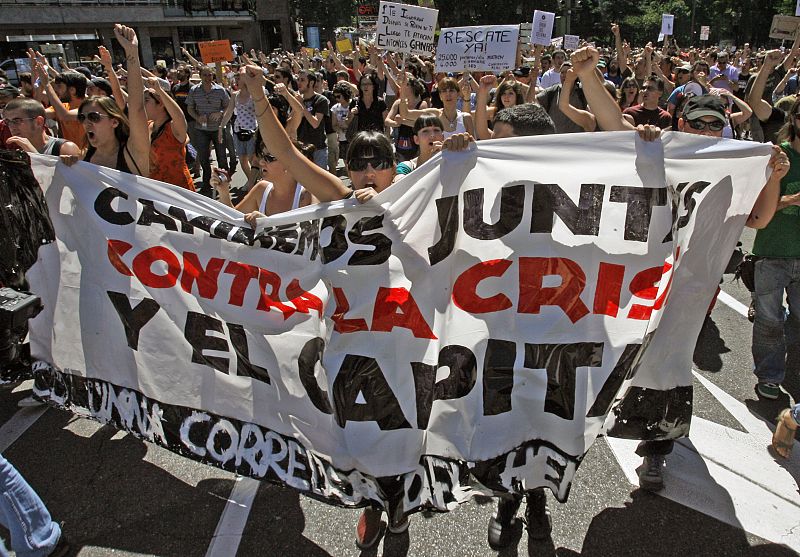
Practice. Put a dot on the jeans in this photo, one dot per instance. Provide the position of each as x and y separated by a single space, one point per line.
204 139
321 158
332 139
774 276
33 532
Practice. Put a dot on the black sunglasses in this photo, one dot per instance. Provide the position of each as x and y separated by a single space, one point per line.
360 163
93 117
714 126
268 157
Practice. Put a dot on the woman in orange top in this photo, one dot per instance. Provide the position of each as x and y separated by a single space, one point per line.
167 137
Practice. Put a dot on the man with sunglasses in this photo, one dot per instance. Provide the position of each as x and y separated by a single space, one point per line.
702 115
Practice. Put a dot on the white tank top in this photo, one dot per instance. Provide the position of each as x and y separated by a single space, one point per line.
459 126
262 206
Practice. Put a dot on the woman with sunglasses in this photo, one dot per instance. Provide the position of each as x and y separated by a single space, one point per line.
116 140
276 192
370 109
168 137
628 93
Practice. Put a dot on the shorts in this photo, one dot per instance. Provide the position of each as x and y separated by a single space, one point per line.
244 148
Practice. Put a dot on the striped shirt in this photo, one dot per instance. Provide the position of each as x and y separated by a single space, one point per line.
211 102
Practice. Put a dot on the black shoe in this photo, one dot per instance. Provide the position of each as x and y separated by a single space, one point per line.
537 515
501 523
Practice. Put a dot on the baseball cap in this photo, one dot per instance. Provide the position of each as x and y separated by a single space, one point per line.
705 105
684 67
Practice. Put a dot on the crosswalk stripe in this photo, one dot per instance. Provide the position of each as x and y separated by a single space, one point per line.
230 527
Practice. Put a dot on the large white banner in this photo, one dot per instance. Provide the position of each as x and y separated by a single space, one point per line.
481 48
476 321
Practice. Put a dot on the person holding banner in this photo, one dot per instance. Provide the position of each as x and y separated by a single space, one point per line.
428 137
509 93
702 115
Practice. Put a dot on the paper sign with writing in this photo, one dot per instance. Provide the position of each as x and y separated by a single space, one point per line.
784 27
704 30
558 42
571 42
405 28
667 24
344 45
797 8
482 48
542 29
215 51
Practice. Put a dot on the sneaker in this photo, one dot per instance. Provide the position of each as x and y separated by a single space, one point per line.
29 401
398 525
501 523
770 391
537 515
751 312
651 477
368 531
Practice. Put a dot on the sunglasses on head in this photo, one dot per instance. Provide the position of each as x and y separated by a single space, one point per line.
360 163
93 117
714 126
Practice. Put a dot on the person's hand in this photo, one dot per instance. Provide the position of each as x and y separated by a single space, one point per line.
202 119
23 143
626 49
155 85
488 82
69 160
615 29
253 78
773 59
126 37
792 71
281 89
458 142
648 132
648 49
40 73
220 180
571 76
365 194
250 218
584 61
779 163
354 111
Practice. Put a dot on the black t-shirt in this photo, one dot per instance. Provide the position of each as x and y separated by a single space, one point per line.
179 92
773 124
306 133
656 117
371 119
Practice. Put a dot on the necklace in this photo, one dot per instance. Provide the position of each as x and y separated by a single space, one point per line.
451 124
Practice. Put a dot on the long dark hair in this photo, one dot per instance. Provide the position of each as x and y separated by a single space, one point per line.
108 105
788 132
370 144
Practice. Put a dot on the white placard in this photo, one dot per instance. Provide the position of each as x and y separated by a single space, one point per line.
542 30
558 42
797 8
571 42
481 48
404 28
667 24
704 30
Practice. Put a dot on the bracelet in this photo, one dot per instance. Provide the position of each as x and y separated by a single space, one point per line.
263 112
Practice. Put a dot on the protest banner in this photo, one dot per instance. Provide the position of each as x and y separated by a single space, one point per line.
571 42
405 28
784 27
309 352
215 51
542 30
482 48
667 24
704 31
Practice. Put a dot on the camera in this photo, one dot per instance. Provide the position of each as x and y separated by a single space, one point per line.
15 309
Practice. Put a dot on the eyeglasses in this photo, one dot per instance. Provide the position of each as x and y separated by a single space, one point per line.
93 117
16 121
360 164
268 157
650 89
714 126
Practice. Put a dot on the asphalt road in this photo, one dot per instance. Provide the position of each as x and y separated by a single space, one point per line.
725 494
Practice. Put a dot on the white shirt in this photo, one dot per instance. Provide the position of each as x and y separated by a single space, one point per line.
549 78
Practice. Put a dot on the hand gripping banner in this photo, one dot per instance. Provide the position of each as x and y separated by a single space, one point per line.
468 331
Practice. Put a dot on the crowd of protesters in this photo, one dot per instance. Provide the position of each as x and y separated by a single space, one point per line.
304 129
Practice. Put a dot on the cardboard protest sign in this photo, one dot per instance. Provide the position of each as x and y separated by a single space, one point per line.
784 27
542 30
309 352
704 31
482 48
571 42
667 24
215 51
344 45
405 28
558 42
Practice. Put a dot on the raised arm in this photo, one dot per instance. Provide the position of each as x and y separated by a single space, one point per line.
605 109
761 108
192 60
120 96
583 118
139 140
482 130
322 184
744 109
57 108
622 58
179 124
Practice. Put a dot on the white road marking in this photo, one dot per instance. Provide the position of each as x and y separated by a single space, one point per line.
230 527
728 474
732 303
19 423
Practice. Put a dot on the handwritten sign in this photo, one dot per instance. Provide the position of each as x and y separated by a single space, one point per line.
212 52
482 48
405 28
571 42
704 30
215 51
784 27
542 30
667 24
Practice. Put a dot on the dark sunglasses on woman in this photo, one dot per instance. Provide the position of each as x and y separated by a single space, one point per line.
93 117
359 164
